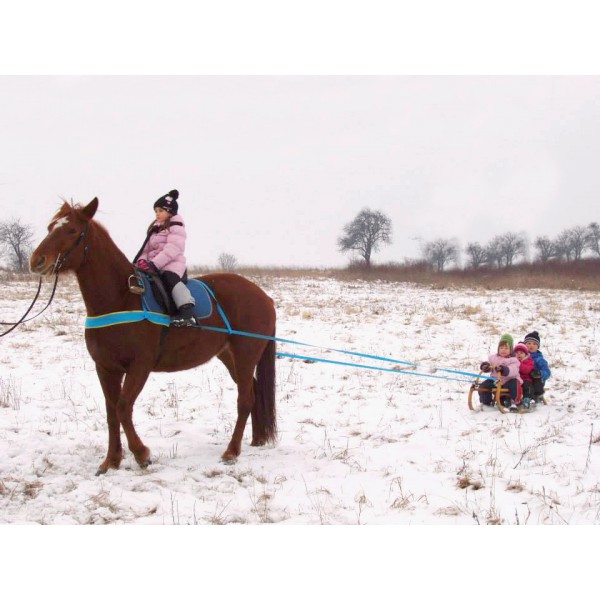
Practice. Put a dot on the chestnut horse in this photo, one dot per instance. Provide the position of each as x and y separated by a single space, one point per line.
125 354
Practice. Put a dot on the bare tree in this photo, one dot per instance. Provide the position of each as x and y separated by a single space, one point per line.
594 238
440 253
477 255
563 246
511 246
16 241
227 262
493 252
366 233
579 240
572 243
546 249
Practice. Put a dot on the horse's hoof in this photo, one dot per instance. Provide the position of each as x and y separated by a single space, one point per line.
144 463
229 458
143 458
105 466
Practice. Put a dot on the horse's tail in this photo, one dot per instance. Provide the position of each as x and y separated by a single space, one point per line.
264 418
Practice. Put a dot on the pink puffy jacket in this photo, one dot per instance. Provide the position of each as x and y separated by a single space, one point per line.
166 249
512 362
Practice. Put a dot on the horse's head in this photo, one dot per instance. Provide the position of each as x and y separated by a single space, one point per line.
64 246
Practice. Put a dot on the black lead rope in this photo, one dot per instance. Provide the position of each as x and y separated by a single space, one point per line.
22 319
57 267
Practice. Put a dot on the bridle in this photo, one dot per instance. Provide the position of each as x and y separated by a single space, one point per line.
60 260
58 265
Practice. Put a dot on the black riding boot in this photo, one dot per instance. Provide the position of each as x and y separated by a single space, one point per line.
185 317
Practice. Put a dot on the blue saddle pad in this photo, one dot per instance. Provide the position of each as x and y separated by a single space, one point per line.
198 289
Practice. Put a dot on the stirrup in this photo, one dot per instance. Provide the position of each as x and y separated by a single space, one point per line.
136 285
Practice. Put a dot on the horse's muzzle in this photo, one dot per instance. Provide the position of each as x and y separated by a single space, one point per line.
40 265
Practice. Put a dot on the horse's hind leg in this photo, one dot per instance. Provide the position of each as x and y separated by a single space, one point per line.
245 354
111 387
226 357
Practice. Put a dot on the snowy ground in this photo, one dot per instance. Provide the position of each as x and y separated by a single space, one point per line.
356 446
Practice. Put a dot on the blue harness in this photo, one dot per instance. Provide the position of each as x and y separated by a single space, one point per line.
152 311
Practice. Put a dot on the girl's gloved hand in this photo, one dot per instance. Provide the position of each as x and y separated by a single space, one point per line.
147 266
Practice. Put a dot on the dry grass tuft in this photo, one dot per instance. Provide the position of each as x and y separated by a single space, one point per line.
465 482
10 394
515 486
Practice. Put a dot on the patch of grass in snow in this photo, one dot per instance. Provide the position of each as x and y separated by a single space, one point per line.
10 393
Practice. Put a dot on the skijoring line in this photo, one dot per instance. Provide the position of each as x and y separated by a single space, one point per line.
371 367
111 319
471 376
123 317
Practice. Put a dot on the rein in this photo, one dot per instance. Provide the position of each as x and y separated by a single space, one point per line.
22 319
152 230
58 265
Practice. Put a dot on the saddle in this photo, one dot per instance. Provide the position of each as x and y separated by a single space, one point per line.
155 298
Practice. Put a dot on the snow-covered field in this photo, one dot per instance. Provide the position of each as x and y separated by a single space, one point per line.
356 446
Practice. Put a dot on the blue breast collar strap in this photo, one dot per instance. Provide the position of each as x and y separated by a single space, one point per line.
129 316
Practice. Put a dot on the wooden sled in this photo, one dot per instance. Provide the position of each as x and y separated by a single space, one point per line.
498 392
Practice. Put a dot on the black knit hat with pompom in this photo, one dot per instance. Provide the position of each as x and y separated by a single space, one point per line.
168 202
534 336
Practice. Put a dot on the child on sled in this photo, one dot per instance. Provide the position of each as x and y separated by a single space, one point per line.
505 365
163 253
526 368
541 373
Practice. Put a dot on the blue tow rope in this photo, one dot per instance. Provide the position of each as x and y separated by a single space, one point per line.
134 316
231 331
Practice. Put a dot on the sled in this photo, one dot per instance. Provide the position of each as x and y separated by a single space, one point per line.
499 393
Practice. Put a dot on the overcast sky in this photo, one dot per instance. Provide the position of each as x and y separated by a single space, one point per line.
271 168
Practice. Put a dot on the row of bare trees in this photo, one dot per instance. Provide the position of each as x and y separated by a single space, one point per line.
506 249
16 244
365 234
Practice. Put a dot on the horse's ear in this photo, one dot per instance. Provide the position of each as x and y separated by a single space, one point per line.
90 210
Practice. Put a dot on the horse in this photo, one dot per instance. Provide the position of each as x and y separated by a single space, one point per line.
126 354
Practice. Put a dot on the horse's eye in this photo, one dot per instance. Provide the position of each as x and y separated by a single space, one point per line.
72 231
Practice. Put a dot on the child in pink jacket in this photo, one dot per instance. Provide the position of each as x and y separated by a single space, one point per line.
164 253
526 366
504 365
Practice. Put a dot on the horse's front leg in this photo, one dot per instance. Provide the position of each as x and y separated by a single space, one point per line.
111 387
135 380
